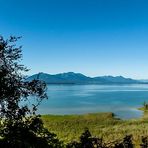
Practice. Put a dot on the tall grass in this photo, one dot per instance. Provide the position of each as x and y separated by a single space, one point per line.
104 125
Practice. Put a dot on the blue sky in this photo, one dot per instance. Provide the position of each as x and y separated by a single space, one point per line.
94 37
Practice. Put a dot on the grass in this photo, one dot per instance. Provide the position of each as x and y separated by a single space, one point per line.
144 107
70 127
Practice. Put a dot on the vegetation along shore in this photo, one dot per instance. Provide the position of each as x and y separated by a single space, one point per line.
104 125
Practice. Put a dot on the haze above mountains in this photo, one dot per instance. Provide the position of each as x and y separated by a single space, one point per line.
78 78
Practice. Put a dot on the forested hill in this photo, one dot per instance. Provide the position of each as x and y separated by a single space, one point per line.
78 78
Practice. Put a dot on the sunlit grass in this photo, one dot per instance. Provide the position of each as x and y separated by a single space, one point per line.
70 127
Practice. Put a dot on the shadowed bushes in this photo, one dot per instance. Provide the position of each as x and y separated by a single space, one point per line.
87 141
29 133
20 126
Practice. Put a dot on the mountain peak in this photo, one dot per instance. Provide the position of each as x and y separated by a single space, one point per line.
78 78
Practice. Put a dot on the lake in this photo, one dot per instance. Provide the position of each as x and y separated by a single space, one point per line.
122 100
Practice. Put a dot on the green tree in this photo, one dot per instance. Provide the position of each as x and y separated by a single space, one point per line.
20 126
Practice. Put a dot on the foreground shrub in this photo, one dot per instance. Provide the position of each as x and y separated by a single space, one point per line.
20 126
87 141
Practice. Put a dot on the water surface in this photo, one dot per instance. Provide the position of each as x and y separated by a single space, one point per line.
123 100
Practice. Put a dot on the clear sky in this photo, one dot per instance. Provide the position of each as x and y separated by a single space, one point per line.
94 37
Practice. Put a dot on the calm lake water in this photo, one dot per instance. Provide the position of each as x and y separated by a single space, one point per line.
123 100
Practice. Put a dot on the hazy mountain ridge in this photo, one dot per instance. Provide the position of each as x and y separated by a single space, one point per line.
78 78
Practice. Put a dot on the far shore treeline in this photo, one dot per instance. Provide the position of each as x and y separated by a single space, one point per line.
78 78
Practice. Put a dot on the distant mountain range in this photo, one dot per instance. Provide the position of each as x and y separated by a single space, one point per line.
78 78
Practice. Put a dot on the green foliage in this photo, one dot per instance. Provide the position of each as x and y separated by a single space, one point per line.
87 141
20 126
144 142
29 133
145 106
69 127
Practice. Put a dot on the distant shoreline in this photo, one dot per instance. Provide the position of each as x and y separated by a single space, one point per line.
111 114
95 83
